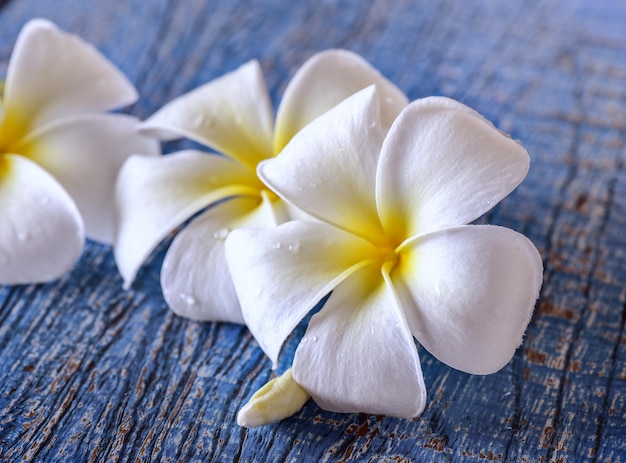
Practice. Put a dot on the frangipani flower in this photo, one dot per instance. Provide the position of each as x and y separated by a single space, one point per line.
59 156
393 246
233 115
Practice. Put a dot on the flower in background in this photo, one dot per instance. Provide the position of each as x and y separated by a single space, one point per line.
59 155
232 115
393 246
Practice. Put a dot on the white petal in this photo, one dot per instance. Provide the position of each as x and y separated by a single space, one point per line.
53 74
231 114
280 274
329 168
469 293
358 354
195 278
85 153
298 214
155 195
325 80
443 165
41 236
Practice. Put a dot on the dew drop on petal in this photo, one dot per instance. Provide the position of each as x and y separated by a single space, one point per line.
313 185
44 200
294 247
441 287
372 124
277 245
23 235
221 234
188 299
389 100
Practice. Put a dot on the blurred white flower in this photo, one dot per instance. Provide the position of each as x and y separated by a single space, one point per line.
59 155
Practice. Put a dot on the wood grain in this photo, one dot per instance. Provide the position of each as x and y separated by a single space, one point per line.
89 372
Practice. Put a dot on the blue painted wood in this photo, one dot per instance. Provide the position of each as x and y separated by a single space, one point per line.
91 373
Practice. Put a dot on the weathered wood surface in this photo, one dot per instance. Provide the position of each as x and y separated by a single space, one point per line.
91 373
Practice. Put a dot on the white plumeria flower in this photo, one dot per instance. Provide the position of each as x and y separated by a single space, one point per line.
233 115
59 156
393 246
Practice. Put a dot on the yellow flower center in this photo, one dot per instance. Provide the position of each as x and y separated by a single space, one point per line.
4 166
269 194
13 128
389 259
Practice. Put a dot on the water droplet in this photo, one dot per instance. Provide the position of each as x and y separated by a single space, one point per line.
23 235
44 200
313 185
372 124
441 287
389 100
294 247
313 338
221 234
277 245
188 299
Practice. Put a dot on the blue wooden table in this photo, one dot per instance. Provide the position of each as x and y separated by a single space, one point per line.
89 372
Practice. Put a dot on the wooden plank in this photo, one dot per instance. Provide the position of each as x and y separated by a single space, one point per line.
91 373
